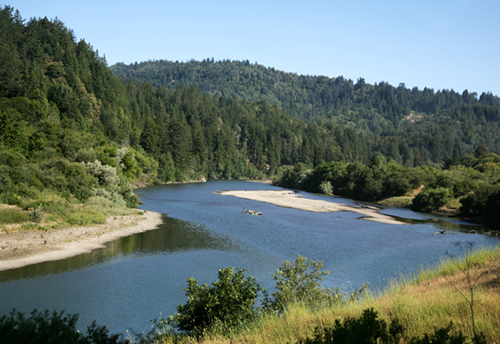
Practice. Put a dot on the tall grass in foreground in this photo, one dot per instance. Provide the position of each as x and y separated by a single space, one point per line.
421 303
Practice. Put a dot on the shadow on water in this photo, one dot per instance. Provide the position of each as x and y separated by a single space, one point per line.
447 224
135 278
173 236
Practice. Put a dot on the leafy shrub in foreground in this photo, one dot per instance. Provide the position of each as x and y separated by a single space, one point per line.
365 329
55 328
228 303
300 282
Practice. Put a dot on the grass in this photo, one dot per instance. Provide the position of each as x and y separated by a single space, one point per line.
13 216
431 299
400 201
51 211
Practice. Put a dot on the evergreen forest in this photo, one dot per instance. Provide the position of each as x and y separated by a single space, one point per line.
423 124
76 137
74 130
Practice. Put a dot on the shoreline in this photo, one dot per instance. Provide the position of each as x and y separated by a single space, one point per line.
289 199
24 248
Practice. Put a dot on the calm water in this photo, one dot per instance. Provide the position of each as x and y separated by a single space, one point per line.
137 278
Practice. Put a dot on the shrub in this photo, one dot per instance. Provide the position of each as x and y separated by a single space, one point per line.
229 303
365 329
431 199
104 173
368 329
35 214
326 187
300 282
13 215
57 328
483 202
108 207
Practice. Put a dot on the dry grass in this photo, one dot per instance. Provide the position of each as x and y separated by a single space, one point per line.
431 300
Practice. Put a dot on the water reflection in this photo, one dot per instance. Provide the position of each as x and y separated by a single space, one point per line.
135 278
170 237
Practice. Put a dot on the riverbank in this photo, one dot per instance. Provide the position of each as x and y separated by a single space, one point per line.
21 248
435 298
290 199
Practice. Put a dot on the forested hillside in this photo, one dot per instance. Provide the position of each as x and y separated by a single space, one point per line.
432 125
72 130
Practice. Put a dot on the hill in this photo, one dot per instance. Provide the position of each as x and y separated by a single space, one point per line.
71 131
432 125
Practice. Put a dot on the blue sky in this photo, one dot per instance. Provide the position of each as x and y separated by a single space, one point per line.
435 44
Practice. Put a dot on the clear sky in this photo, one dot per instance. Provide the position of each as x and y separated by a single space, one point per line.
439 44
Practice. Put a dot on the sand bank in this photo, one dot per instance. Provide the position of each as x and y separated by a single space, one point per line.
290 199
23 248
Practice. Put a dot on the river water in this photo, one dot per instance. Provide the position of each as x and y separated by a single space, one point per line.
142 277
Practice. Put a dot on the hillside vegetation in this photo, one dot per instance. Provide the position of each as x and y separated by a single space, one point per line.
430 125
71 132
74 138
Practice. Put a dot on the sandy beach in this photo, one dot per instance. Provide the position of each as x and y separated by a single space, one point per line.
290 199
23 248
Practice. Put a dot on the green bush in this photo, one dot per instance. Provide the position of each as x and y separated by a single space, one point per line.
36 214
107 207
326 187
365 329
300 282
431 199
229 303
10 215
476 202
55 328
85 216
69 212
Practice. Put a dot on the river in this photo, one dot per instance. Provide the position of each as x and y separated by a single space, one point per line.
142 277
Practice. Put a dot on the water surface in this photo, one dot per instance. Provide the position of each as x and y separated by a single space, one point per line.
137 278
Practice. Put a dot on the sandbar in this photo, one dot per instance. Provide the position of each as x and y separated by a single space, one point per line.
22 248
290 199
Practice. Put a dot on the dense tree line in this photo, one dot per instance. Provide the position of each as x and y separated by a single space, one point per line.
424 124
58 105
70 127
474 180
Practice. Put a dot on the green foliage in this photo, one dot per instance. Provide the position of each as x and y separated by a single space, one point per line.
365 329
368 329
45 327
12 215
483 203
107 207
229 303
61 209
35 214
414 126
300 282
431 199
326 187
443 336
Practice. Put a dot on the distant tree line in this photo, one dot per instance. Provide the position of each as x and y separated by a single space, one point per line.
70 128
474 180
420 126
